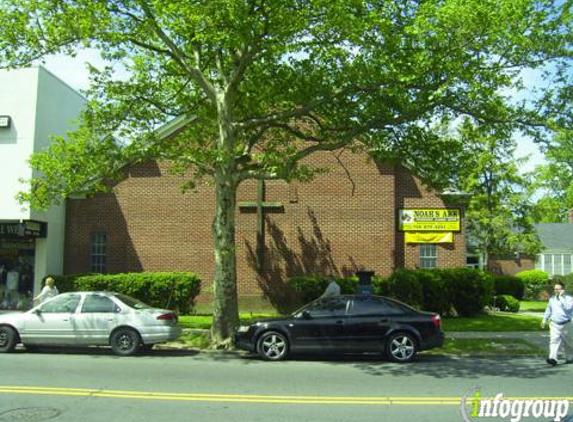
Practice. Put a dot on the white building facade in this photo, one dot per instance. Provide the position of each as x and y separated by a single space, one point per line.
34 104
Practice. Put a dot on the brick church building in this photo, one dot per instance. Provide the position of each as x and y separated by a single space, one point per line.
343 221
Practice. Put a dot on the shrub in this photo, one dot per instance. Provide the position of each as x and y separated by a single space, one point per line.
308 287
348 285
65 283
509 285
535 282
465 290
174 290
381 286
405 286
507 303
470 290
435 292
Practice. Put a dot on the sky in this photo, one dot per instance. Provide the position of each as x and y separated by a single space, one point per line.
73 71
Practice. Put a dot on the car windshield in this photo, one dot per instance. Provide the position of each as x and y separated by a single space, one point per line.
131 302
311 305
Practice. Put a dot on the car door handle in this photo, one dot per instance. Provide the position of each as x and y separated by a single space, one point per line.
383 321
339 322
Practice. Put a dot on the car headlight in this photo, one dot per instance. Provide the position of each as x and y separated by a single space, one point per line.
243 329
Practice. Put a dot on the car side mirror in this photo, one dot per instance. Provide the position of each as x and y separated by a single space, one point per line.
306 315
37 311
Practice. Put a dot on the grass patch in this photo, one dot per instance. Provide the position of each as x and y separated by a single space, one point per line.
532 306
487 348
500 322
193 340
204 321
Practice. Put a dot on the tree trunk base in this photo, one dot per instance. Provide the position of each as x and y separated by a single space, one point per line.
226 344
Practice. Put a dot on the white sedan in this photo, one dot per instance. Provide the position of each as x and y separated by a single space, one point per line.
90 319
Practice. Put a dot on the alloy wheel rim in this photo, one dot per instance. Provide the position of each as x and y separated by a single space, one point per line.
402 348
274 346
3 338
125 342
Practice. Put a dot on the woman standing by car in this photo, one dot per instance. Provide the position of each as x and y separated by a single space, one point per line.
49 291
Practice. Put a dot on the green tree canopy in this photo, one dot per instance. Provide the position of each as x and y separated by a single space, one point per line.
555 181
269 82
498 215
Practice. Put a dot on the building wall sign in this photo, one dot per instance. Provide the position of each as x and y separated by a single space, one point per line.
33 229
429 237
429 219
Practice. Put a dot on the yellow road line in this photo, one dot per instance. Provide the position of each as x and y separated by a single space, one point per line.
249 398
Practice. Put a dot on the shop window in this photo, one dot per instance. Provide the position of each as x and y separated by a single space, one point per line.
428 256
98 252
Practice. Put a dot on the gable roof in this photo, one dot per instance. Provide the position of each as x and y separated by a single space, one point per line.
556 235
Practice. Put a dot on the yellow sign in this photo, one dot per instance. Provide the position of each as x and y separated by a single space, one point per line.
429 219
429 237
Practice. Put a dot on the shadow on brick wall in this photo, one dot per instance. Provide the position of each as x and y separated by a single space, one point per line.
311 255
101 214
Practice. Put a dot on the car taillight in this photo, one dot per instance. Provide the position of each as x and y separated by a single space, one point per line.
436 320
166 317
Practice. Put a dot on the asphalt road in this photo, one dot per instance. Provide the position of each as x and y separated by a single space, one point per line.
94 385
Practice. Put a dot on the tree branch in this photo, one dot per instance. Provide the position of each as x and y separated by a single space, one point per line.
179 56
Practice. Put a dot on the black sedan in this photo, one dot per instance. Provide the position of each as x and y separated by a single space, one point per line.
345 324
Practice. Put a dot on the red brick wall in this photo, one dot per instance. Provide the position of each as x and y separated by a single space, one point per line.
511 266
343 221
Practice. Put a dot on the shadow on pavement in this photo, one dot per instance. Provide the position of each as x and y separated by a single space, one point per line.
436 366
106 351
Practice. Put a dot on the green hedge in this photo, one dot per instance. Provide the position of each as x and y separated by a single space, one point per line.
509 285
535 282
507 303
174 290
470 290
461 290
464 290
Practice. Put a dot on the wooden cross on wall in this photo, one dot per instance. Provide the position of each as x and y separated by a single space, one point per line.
261 206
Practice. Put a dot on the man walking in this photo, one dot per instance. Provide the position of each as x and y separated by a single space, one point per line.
558 313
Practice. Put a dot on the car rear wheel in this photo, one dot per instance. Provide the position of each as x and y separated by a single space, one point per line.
273 346
8 339
401 347
125 342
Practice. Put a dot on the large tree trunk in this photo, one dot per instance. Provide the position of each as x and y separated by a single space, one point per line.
225 307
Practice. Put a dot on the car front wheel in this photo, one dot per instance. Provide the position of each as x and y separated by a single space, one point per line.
125 342
401 347
273 346
8 339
